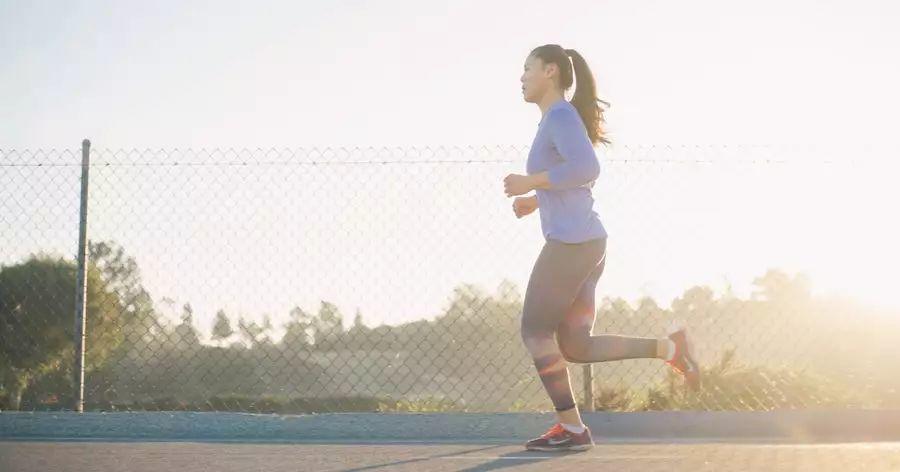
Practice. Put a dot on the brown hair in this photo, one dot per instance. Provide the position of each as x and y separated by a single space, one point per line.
585 98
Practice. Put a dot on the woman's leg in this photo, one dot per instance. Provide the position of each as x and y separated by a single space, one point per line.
576 343
558 275
574 332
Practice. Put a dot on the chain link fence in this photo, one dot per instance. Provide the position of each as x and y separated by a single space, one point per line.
391 279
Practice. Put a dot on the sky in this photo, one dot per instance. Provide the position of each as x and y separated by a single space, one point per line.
269 74
684 79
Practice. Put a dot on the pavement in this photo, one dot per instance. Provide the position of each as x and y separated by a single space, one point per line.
43 456
797 440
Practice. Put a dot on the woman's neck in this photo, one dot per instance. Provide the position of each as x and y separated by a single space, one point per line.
549 99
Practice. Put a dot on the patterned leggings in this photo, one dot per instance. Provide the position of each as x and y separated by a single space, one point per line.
559 312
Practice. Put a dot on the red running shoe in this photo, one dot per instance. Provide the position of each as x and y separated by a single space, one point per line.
561 439
683 362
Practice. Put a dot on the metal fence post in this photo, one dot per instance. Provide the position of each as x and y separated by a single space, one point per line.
588 387
81 286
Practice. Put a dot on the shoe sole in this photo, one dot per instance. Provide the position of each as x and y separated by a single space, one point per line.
689 344
695 383
579 447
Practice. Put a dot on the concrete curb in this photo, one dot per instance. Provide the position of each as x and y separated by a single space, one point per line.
664 426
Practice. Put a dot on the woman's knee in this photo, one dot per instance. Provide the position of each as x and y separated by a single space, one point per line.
538 343
573 348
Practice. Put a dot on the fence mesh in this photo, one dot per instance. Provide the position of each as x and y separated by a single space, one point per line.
385 279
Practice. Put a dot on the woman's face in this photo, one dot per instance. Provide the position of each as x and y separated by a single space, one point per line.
537 79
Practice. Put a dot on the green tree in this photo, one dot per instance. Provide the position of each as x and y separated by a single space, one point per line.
37 311
358 336
139 320
328 325
185 333
221 327
358 321
266 334
297 330
256 334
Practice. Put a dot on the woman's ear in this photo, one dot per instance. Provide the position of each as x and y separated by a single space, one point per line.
550 70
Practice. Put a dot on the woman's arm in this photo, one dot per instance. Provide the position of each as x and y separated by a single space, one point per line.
580 165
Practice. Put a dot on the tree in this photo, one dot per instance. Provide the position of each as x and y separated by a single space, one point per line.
781 289
187 314
696 301
358 336
614 314
647 306
122 277
297 330
266 330
358 321
221 327
330 317
37 309
254 333
328 325
185 333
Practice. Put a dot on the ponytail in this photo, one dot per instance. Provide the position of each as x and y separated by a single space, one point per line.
585 98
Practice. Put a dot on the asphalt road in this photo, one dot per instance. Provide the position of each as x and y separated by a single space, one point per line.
93 456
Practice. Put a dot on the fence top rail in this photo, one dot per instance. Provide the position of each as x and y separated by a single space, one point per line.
719 154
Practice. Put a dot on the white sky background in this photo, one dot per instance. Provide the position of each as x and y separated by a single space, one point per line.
220 74
299 74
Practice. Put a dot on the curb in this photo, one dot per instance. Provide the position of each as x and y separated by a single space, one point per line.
662 426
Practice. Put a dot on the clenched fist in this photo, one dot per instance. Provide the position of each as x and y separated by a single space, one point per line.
523 206
515 184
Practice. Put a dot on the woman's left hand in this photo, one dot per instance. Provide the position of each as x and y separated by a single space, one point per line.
515 184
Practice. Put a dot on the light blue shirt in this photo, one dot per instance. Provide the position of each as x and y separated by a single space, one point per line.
563 149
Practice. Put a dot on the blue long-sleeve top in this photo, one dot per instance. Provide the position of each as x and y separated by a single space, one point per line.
563 149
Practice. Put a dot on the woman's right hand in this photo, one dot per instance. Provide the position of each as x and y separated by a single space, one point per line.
523 206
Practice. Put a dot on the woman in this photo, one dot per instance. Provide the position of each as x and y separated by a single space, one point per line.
559 309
